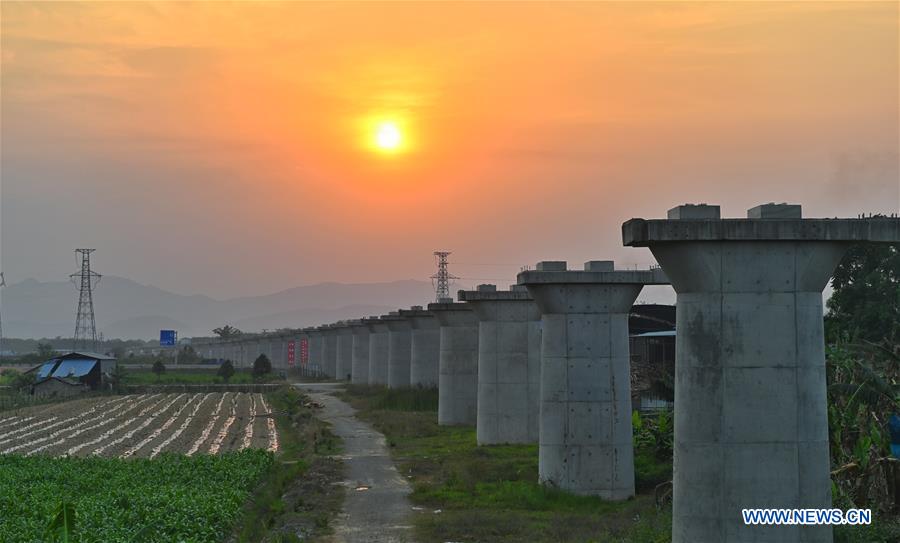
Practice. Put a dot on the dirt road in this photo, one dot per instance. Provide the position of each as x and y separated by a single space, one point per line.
376 507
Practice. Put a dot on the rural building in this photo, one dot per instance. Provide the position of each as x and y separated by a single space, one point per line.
652 370
72 373
651 331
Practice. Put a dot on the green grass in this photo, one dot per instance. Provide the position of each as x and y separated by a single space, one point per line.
169 498
187 377
398 399
492 494
298 494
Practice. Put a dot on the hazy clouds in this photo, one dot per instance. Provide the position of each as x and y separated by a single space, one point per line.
214 148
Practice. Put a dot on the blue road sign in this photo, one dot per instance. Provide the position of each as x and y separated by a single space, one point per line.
168 338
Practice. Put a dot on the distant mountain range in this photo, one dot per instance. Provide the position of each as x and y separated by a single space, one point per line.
129 310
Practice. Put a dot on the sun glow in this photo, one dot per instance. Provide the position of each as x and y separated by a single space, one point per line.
388 136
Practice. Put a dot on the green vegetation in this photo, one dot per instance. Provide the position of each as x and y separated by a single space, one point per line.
169 498
190 377
261 366
226 331
492 493
865 305
158 368
862 330
226 370
298 494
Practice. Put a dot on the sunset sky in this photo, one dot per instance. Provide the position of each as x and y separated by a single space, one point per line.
229 148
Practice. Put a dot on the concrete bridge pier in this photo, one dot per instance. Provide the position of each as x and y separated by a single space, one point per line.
509 364
360 364
329 350
458 365
425 347
256 348
315 346
586 441
344 357
277 353
751 423
378 351
399 350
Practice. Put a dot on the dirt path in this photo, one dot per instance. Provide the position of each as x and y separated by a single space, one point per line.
376 508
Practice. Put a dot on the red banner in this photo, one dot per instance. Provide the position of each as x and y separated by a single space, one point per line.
291 353
304 351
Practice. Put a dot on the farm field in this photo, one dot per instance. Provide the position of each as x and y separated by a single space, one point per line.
142 426
170 498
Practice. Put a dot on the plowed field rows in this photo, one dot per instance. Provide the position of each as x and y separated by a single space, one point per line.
142 425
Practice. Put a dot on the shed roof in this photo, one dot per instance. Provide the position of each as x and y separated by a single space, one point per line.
86 354
44 369
74 367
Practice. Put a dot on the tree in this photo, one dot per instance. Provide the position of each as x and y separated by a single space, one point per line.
226 331
865 305
188 356
45 351
159 368
261 366
226 370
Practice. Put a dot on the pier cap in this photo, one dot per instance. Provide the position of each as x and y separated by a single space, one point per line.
513 295
595 271
767 222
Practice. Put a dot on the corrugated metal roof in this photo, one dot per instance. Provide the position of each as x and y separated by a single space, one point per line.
45 368
86 354
74 368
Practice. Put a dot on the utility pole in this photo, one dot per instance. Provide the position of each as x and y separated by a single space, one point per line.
85 326
442 278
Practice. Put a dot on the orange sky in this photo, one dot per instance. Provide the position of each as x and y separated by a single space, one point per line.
218 148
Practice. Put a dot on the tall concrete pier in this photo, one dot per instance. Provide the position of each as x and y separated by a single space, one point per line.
314 345
399 349
509 364
359 369
425 347
344 356
378 351
751 424
278 352
329 350
586 442
458 371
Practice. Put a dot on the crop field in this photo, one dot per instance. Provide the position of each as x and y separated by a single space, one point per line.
139 467
171 498
142 426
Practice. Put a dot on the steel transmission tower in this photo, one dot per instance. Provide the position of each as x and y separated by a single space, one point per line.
2 284
442 278
85 326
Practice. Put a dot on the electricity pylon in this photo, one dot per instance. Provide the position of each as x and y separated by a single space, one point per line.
85 326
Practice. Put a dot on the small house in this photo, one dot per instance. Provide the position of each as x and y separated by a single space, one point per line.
72 373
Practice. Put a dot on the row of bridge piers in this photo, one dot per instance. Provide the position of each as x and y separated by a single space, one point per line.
548 362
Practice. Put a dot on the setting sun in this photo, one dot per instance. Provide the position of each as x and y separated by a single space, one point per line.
388 137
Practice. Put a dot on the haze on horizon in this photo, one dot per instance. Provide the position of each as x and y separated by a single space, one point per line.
224 148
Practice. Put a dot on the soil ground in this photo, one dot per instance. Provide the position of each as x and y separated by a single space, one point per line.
376 507
140 425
